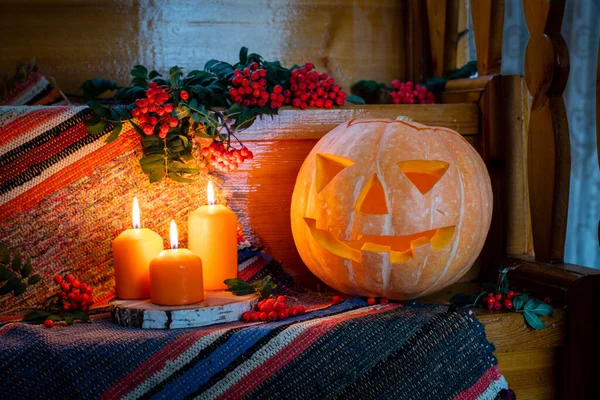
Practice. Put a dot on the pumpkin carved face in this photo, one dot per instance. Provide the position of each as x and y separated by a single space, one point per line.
391 208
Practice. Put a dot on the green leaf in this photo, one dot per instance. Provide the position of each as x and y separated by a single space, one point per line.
539 307
92 121
182 168
123 112
20 289
26 270
139 71
16 261
533 320
519 301
80 315
68 319
4 254
178 178
243 55
6 289
33 279
97 86
138 129
355 99
98 109
152 159
115 133
175 75
37 316
98 128
238 287
156 176
153 74
5 273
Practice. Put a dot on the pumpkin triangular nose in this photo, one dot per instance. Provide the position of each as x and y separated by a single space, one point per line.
372 198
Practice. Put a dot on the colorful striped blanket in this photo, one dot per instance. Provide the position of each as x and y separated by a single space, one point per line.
344 351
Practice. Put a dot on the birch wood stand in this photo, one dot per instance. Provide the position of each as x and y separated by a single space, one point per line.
218 307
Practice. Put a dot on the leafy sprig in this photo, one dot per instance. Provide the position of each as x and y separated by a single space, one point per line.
531 308
239 287
14 272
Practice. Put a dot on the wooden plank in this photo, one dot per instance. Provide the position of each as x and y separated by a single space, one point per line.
442 17
75 40
294 124
488 24
531 374
546 73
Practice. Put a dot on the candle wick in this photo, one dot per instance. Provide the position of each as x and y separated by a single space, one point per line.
211 203
136 226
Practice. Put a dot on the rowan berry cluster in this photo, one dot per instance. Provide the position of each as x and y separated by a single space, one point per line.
372 301
240 234
250 88
308 88
153 113
74 295
223 159
409 93
273 309
498 301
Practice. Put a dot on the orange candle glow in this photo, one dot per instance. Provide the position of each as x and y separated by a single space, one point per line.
212 234
176 275
132 251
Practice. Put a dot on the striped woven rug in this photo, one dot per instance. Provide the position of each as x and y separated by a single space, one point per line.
345 351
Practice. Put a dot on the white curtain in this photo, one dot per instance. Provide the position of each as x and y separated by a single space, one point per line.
581 30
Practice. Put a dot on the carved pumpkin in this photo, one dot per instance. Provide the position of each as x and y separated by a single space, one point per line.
391 208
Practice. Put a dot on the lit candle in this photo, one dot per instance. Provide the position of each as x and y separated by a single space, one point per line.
132 251
176 275
212 234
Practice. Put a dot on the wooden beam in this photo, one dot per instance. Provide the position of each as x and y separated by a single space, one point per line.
546 73
488 24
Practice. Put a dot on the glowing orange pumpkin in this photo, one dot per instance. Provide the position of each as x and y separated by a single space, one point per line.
391 208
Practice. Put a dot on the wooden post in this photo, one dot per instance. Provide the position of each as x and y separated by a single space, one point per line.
442 17
549 159
488 23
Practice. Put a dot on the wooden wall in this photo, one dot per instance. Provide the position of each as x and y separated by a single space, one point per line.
74 40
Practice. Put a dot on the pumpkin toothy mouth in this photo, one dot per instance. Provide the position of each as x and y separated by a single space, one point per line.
401 248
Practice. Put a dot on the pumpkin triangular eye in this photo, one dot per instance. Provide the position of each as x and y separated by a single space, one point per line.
328 166
424 174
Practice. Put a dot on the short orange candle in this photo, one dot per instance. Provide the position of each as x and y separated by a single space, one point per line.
176 275
212 234
132 251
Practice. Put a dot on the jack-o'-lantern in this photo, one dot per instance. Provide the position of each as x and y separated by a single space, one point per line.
391 208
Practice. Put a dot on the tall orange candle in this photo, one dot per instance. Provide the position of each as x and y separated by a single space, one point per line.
212 234
176 275
132 251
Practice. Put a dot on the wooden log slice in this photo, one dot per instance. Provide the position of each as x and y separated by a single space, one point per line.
218 307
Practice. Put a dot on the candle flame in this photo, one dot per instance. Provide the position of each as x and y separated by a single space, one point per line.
210 194
174 236
135 215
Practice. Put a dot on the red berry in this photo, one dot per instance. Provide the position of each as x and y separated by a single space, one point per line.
246 316
69 278
66 307
491 306
58 279
336 299
267 307
293 311
281 299
547 300
270 302
277 306
48 323
491 300
65 287
272 316
254 66
277 89
508 304
510 294
184 95
301 310
263 316
246 71
173 122
498 296
283 314
498 305
260 303
255 316
168 108
384 301
371 301
75 284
